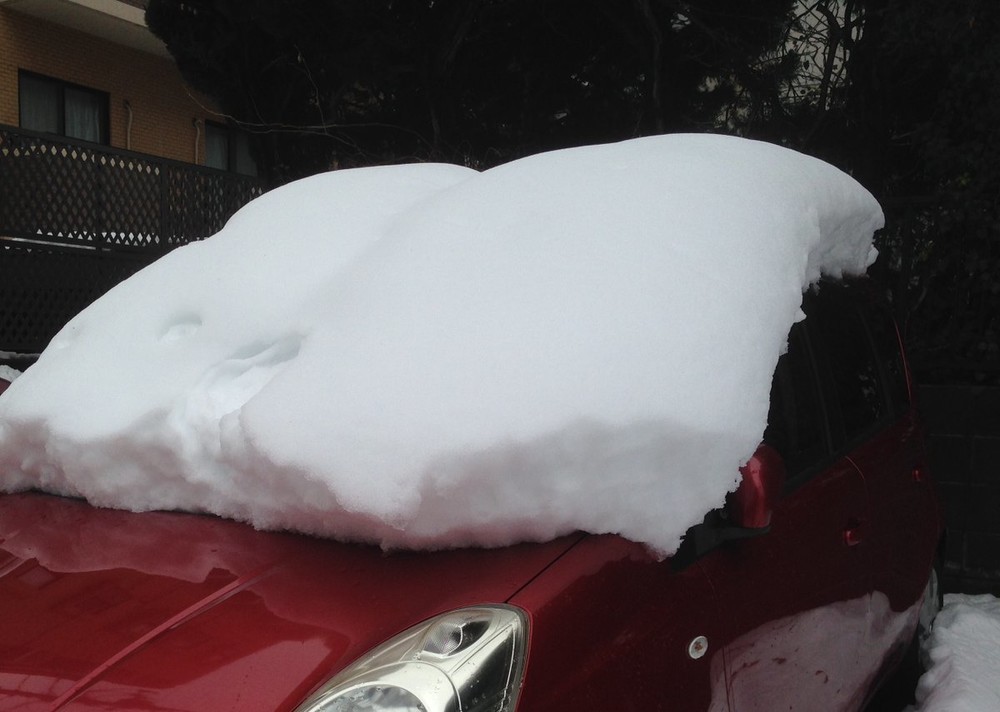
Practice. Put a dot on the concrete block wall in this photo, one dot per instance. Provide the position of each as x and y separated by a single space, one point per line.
963 424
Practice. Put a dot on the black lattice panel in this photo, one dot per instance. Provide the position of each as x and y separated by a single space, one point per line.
93 195
199 204
49 189
132 209
41 288
76 218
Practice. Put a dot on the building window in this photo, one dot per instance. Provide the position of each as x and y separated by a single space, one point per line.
228 149
57 107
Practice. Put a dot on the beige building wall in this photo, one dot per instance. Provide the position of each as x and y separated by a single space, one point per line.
163 108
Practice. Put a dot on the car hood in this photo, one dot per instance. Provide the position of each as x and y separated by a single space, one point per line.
109 610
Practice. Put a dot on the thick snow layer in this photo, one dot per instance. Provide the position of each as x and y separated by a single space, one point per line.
427 356
963 652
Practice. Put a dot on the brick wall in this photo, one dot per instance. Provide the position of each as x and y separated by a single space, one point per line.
963 424
163 108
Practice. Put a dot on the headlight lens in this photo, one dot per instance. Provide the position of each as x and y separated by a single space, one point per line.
469 660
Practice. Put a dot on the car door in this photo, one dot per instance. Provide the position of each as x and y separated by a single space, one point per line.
797 599
879 431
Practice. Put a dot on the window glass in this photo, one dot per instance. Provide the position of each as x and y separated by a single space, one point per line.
84 115
795 422
883 330
853 370
216 147
55 107
245 163
39 102
228 149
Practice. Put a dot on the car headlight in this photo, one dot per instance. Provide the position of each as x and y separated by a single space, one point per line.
468 660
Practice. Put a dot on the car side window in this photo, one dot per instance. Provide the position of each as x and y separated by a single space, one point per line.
850 364
795 421
886 339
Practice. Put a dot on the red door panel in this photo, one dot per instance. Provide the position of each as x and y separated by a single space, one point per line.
797 600
614 629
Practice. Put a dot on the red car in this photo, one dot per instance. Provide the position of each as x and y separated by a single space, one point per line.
802 594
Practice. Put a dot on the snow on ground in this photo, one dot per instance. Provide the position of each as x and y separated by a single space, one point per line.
426 356
963 657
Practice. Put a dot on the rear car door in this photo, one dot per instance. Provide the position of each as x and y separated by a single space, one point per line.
875 425
798 597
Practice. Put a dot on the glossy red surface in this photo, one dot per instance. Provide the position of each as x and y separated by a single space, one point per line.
108 610
611 628
807 616
763 481
785 616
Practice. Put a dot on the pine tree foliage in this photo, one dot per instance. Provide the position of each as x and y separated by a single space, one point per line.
903 94
351 82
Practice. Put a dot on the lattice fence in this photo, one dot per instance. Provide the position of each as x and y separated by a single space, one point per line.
43 286
76 218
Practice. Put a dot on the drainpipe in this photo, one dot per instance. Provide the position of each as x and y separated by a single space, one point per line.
128 126
197 138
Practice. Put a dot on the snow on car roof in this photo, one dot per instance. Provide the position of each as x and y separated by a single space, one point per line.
426 356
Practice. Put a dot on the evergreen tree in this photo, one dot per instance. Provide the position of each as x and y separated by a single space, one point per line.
904 95
354 82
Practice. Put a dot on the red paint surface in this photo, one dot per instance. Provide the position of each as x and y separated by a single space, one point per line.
109 610
105 609
760 489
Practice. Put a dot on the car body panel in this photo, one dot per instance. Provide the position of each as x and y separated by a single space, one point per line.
905 535
903 502
805 609
775 590
105 609
611 630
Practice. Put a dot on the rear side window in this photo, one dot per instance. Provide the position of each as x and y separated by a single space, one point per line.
850 363
795 422
883 330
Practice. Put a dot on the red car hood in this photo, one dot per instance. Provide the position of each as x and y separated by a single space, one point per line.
109 610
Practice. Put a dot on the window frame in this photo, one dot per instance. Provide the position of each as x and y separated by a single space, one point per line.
62 85
823 458
838 444
233 136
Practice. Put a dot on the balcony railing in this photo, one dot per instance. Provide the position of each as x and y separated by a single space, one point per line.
76 218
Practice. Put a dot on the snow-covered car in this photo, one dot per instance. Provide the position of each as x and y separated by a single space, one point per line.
583 432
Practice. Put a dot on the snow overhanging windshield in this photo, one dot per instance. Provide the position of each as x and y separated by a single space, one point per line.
426 356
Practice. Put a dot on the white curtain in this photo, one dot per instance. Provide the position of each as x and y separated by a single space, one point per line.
84 115
50 106
245 163
216 147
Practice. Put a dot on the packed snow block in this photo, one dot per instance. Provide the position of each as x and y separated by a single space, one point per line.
962 656
426 356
